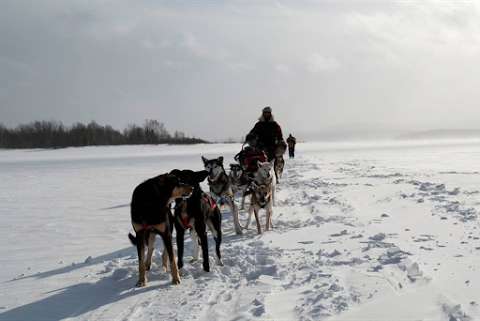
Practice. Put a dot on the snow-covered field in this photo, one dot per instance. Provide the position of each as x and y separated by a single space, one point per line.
361 232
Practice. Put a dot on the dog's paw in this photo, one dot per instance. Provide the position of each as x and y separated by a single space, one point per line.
141 283
176 281
220 262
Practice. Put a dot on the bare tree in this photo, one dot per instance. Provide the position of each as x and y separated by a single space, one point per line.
53 134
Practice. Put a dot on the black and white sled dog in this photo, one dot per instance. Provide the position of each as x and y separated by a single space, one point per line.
197 213
150 215
262 190
239 182
220 187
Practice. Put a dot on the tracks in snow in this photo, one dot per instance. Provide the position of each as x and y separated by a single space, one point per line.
322 260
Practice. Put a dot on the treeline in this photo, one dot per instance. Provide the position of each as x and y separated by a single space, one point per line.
54 134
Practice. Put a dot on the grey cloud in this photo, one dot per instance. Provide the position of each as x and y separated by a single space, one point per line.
208 68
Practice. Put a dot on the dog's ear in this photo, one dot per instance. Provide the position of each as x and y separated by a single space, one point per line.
267 166
172 180
205 161
220 159
200 176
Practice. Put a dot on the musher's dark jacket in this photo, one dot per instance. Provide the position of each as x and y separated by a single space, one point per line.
269 133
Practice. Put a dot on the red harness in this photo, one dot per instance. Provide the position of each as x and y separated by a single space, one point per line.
186 220
210 201
186 223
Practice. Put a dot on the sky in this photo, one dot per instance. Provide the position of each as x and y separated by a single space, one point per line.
208 67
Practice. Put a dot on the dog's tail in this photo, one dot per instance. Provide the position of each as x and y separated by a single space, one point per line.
132 238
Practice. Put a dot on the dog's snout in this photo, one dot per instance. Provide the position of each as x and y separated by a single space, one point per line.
187 191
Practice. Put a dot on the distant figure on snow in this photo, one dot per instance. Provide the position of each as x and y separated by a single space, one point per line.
268 133
291 142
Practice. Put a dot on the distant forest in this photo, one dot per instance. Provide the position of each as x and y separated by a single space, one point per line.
54 134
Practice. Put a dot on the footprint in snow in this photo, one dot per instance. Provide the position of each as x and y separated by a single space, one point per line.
258 308
342 233
227 297
305 242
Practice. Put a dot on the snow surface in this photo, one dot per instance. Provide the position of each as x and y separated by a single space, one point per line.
361 232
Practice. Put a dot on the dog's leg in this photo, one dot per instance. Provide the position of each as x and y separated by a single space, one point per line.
165 259
215 226
151 247
273 194
242 205
196 247
270 216
269 209
167 240
142 279
257 219
218 239
164 231
200 228
234 209
180 242
250 213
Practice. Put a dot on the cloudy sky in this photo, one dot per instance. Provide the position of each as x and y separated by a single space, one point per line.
208 67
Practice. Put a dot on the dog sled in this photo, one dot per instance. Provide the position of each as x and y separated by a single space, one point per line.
249 157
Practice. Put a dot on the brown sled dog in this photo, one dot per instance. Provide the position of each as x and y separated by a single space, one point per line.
150 214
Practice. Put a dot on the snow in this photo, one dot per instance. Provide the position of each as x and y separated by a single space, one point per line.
362 231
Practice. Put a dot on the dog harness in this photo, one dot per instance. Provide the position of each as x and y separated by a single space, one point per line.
185 220
210 201
186 223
